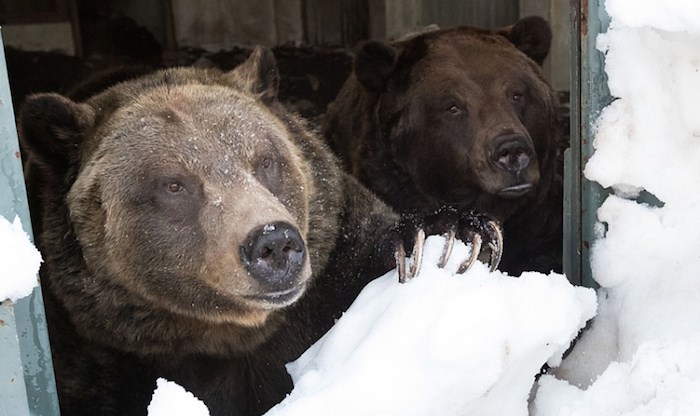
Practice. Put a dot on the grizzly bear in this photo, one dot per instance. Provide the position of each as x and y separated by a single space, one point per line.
461 117
194 229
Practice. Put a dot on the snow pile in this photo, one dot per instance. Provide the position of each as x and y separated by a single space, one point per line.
675 16
660 379
440 344
19 261
169 399
641 355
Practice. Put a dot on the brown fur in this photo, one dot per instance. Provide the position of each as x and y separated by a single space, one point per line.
141 283
418 120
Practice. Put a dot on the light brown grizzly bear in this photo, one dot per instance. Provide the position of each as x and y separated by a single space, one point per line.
461 117
194 229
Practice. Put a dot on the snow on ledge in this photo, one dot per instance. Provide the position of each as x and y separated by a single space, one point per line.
20 261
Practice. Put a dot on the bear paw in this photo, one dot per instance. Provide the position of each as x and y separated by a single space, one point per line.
468 226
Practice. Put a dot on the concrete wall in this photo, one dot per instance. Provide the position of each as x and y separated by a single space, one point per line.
223 24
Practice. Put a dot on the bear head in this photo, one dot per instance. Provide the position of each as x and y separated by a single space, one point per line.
189 199
460 116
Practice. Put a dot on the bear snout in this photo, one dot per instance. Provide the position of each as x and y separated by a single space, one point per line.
511 153
274 255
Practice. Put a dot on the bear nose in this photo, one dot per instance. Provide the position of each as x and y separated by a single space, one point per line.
511 153
274 255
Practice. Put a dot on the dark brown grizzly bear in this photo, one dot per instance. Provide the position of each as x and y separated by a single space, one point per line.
461 117
193 229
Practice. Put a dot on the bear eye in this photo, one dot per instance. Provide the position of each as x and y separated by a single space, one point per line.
517 97
454 109
268 171
174 187
176 197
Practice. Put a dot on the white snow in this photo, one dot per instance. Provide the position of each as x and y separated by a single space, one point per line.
169 399
641 355
441 344
19 261
674 15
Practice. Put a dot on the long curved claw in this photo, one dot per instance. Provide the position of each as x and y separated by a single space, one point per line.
449 244
471 226
495 246
400 257
417 254
475 250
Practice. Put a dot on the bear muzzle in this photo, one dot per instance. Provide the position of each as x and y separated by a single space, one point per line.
511 155
274 256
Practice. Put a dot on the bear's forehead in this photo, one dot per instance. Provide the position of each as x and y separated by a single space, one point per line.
203 104
474 54
480 52
466 61
216 114
194 127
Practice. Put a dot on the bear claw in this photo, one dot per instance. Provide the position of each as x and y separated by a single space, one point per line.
496 244
449 244
476 241
417 256
495 248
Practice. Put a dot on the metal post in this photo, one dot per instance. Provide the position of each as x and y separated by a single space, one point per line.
589 95
27 385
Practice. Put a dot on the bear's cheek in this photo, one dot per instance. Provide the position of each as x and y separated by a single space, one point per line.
449 175
155 249
437 152
538 126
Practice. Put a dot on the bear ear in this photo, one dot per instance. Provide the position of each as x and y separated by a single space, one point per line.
52 128
258 75
373 64
532 36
